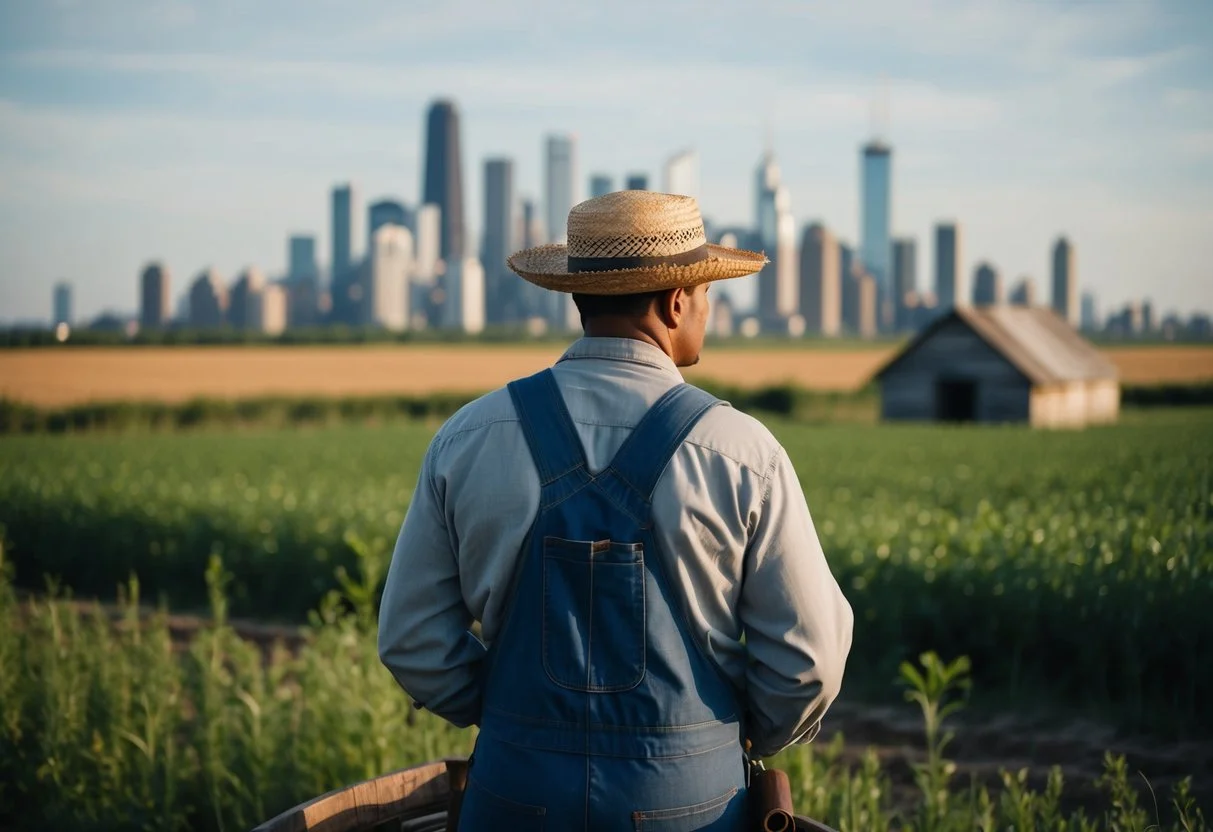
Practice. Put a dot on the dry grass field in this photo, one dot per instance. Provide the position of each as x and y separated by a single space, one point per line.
51 377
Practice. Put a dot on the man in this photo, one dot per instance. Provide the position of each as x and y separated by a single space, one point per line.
650 588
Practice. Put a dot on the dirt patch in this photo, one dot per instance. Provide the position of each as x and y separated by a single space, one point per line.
57 377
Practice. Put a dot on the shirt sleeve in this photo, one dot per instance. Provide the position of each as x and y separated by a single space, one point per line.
796 621
424 625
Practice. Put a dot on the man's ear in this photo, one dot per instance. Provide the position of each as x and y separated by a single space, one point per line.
674 306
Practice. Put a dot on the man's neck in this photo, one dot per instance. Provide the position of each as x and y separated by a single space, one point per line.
647 330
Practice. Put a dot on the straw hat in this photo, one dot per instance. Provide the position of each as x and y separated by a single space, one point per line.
633 241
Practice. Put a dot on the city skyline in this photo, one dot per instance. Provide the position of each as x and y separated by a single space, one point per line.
1098 128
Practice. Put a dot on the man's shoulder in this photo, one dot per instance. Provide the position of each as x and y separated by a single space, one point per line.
476 416
737 436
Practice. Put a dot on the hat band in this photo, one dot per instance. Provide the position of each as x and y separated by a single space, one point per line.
607 264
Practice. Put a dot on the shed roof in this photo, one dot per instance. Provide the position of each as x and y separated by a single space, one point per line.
1034 339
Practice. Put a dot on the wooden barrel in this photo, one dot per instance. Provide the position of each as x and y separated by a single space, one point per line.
417 799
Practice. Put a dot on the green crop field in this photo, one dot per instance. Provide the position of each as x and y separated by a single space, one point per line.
1074 569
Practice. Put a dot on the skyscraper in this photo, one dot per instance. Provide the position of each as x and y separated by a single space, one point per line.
61 304
681 174
343 274
386 293
600 185
949 272
559 176
637 182
876 219
1024 293
463 308
386 212
502 288
301 256
1090 315
905 280
1065 282
777 282
859 302
444 176
820 283
244 298
154 296
208 301
427 244
987 285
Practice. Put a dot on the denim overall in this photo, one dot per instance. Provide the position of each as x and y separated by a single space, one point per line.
600 710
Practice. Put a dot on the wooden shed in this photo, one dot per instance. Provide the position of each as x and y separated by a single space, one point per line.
1000 364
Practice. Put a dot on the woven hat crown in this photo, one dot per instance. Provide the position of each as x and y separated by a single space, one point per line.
635 224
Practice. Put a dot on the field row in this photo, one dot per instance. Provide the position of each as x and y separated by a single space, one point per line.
55 377
1070 566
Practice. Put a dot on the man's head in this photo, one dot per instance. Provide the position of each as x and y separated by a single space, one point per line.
638 264
673 319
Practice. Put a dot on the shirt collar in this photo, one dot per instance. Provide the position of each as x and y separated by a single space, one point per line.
621 349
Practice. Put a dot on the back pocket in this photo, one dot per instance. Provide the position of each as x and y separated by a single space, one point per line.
707 815
593 614
481 809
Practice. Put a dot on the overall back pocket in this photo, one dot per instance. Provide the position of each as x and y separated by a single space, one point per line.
593 614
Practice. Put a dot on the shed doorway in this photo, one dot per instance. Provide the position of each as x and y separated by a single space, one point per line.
956 400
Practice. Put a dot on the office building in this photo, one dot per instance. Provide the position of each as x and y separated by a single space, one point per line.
720 322
301 256
154 309
1065 282
502 288
427 241
987 285
463 308
1148 323
386 301
681 174
559 177
343 273
905 281
875 221
386 212
243 296
267 309
444 176
777 282
1024 293
859 302
208 301
1090 313
61 304
636 182
820 282
950 287
601 185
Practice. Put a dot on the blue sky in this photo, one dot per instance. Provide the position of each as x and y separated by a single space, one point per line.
202 133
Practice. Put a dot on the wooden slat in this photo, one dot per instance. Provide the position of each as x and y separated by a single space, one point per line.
406 793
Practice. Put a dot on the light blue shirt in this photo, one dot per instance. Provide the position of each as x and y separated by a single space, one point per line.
730 518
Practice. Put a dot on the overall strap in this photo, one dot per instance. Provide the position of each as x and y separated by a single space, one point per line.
644 455
547 425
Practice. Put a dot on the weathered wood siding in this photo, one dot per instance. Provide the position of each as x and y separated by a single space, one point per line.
955 352
1076 404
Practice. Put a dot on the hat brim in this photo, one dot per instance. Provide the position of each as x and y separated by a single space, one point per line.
548 266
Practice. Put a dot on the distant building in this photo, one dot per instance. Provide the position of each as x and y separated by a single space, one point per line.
777 281
1090 314
720 323
1024 293
463 308
875 220
601 185
949 271
905 281
1065 282
301 256
444 176
559 176
859 303
386 212
154 301
1133 319
987 285
1148 324
820 282
268 310
428 244
1000 364
243 297
208 301
681 174
502 288
636 182
343 274
61 304
386 292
